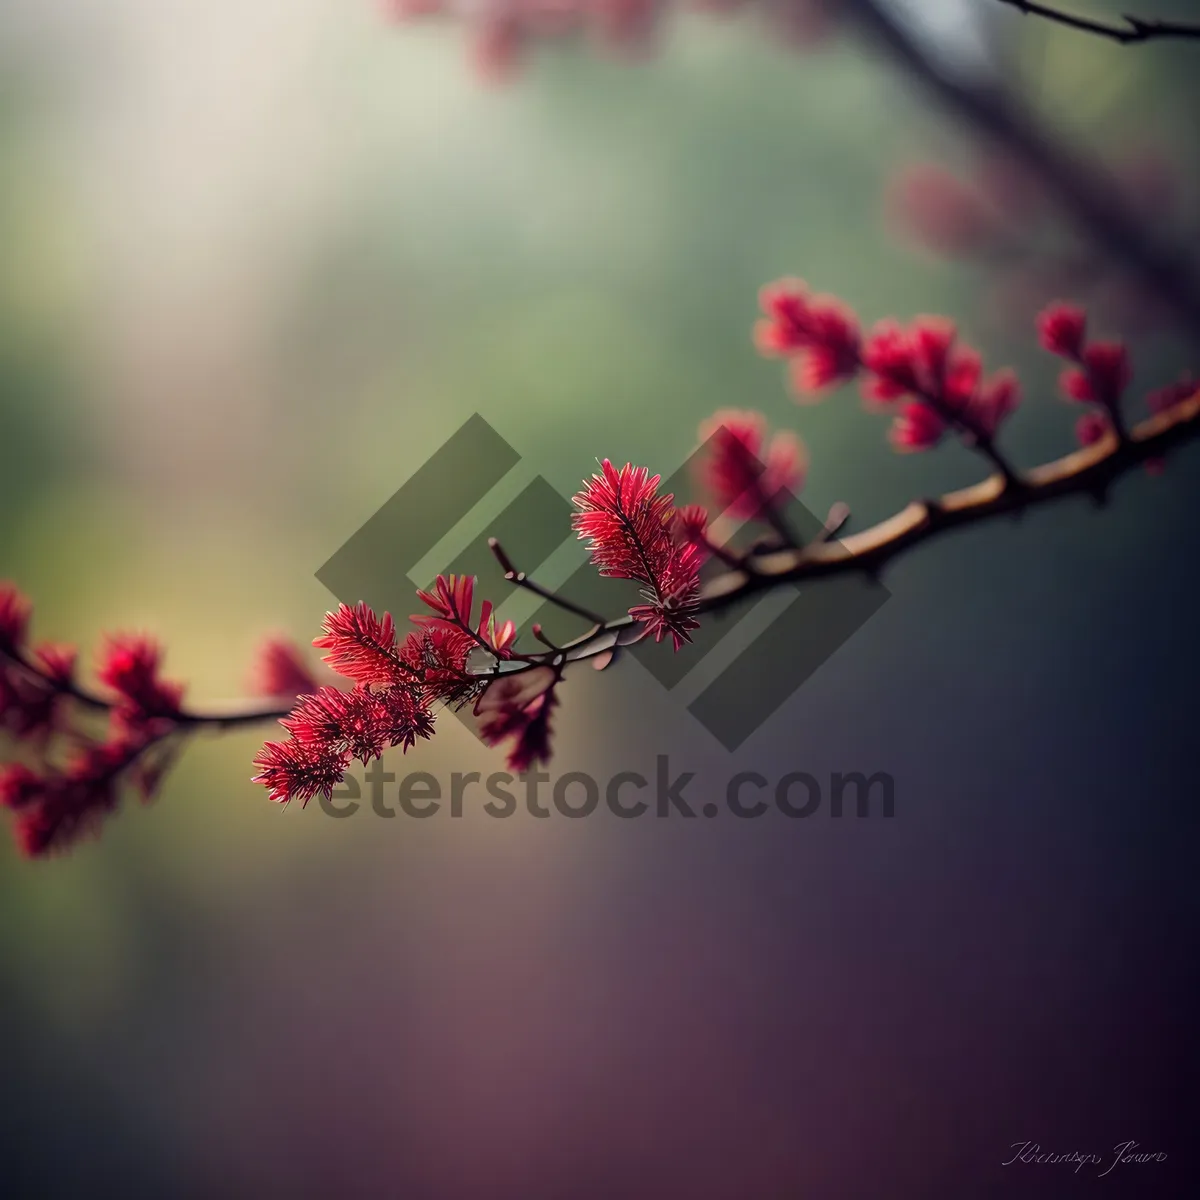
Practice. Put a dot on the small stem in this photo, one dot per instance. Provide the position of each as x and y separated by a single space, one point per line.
1117 420
538 633
980 441
768 510
736 561
521 580
1012 479
835 522
465 626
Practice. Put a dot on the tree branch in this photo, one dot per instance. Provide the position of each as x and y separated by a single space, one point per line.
1086 472
1131 31
224 716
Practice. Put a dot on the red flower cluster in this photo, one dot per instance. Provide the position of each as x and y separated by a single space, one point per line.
632 533
396 687
1099 376
452 655
129 665
53 810
14 617
79 776
362 646
453 601
516 709
744 475
30 700
939 382
329 728
280 670
945 214
389 706
817 334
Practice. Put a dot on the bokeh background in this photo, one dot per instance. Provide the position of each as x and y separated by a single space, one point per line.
257 261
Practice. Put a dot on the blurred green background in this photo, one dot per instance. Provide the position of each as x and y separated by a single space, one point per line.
259 261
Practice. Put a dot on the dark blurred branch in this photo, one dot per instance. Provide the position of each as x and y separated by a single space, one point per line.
1131 30
1082 190
230 715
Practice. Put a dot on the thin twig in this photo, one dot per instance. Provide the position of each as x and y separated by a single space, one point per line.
228 715
835 522
1131 31
521 580
717 551
539 633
